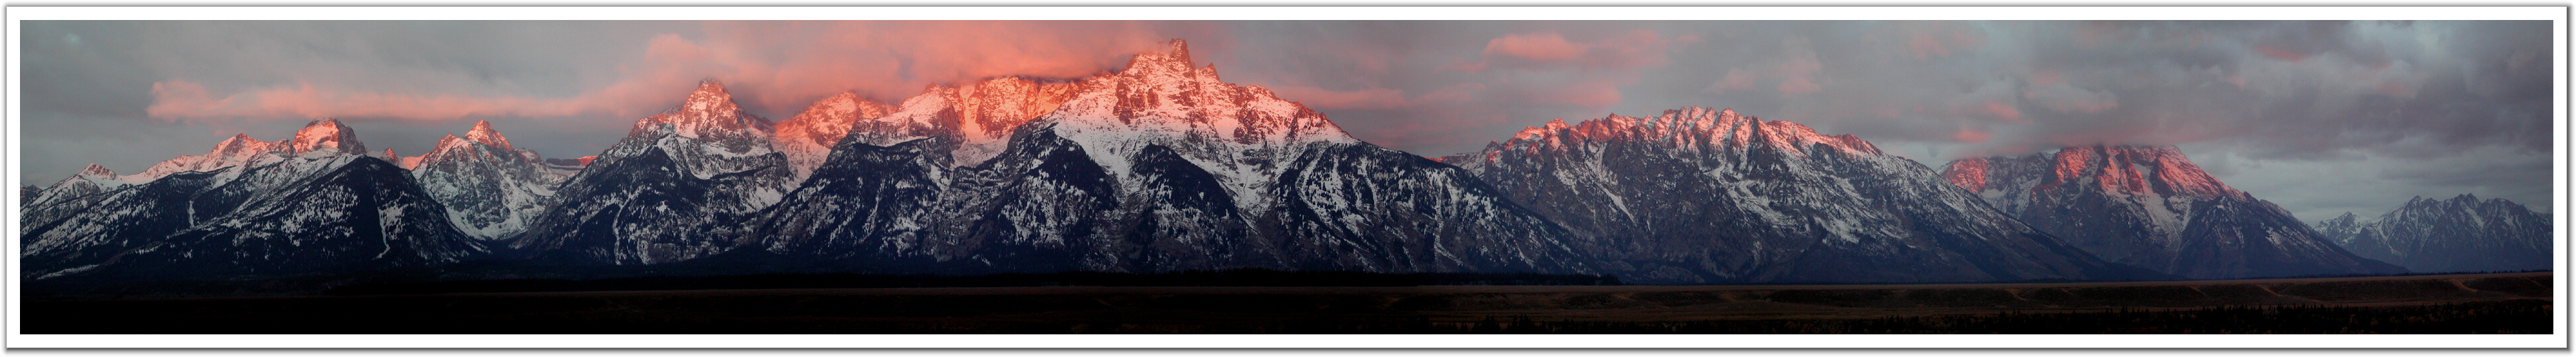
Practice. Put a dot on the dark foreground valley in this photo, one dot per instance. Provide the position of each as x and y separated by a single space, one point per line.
2475 303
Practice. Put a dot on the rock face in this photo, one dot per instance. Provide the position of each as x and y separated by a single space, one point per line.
1158 167
490 189
1699 195
2461 234
807 138
2150 207
676 188
316 203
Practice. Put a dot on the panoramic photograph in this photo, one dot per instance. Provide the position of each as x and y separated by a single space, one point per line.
1286 177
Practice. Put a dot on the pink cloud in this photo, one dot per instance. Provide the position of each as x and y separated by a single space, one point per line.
1737 79
1799 85
1549 50
2044 77
1926 40
2005 111
2068 99
1460 93
1541 47
779 65
185 99
2280 54
1595 95
1799 69
1970 135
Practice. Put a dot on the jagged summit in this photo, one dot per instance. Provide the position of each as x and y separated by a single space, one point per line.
974 120
1701 195
707 109
1175 58
807 138
1156 167
1691 128
2151 207
490 190
2461 234
240 145
709 112
1242 134
97 171
676 179
317 202
242 149
2125 169
328 136
483 133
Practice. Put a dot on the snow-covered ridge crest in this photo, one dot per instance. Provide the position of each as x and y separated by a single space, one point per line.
325 137
705 166
807 138
2151 207
2158 179
2158 170
2461 234
98 171
710 134
1690 128
1700 194
91 180
1242 134
975 120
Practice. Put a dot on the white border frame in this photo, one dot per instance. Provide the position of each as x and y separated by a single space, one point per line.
2558 16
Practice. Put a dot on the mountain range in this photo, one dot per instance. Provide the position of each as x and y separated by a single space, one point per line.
1701 195
2150 207
316 202
2461 234
1161 166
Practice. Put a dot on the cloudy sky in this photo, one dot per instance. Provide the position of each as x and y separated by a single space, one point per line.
2319 117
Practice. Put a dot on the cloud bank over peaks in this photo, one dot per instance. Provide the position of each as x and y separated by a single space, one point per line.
778 65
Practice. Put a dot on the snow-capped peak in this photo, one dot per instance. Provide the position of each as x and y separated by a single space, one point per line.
327 136
1243 134
1175 59
709 96
236 150
444 142
1162 92
808 138
709 112
483 133
1691 128
240 145
2157 169
98 172
707 133
2122 169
